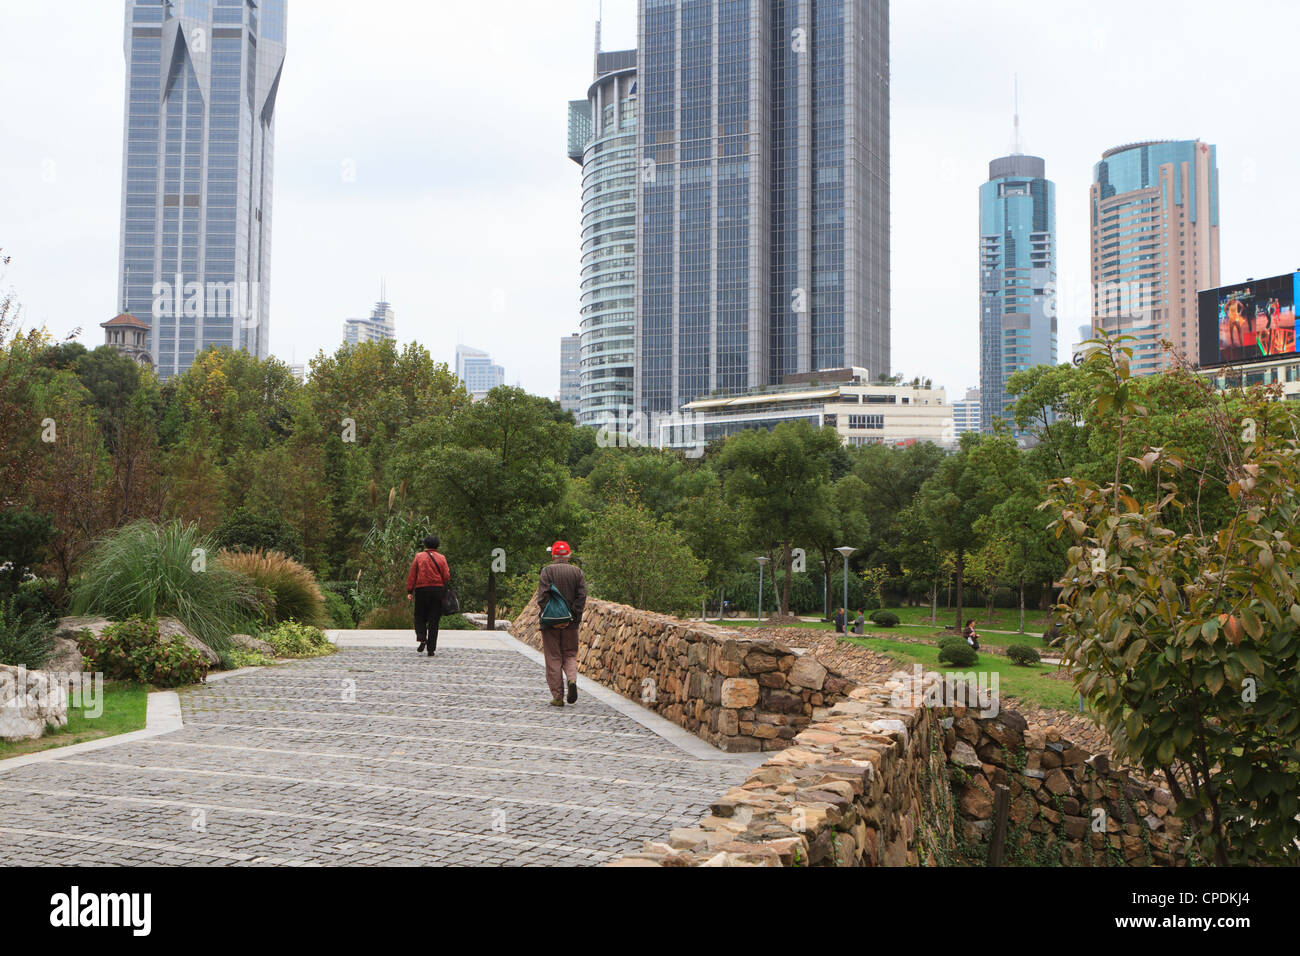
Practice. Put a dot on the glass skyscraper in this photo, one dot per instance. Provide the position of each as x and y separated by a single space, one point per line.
202 78
602 139
1017 277
1155 245
763 210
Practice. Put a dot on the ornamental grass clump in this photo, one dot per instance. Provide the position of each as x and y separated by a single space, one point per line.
291 590
163 570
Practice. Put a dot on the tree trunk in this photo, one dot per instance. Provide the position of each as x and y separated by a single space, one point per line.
785 588
1022 605
961 572
934 602
826 589
492 600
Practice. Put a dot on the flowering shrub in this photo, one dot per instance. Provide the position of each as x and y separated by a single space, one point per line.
292 639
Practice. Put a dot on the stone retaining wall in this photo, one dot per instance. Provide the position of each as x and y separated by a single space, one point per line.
739 693
29 700
885 778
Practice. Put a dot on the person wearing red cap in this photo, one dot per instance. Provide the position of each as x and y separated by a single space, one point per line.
560 643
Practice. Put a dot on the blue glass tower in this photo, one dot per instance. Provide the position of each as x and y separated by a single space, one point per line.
202 78
763 207
1017 277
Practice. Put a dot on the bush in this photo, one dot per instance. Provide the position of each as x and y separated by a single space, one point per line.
245 530
291 587
292 639
456 622
951 640
24 537
26 640
132 650
959 655
340 612
1023 654
148 570
398 617
884 618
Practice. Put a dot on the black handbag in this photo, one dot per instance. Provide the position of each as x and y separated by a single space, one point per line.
450 603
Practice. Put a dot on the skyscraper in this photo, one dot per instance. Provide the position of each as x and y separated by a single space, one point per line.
1155 245
382 324
202 79
1017 276
763 207
475 370
602 139
570 373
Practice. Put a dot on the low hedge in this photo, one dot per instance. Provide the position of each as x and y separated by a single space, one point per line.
1024 655
959 655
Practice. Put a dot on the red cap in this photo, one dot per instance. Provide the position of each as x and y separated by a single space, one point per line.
560 549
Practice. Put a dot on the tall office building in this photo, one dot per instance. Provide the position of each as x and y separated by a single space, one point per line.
202 79
476 371
1017 276
966 413
602 139
570 397
763 207
381 325
1155 245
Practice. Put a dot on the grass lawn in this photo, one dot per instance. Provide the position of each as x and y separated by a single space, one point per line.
1004 619
924 631
1030 684
124 711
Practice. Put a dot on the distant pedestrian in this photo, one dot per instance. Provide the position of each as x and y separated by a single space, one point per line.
972 638
425 585
860 622
560 635
840 618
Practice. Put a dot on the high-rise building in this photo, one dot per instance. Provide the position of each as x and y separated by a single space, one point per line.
570 373
966 413
1155 245
602 139
475 370
381 325
763 210
1017 276
202 78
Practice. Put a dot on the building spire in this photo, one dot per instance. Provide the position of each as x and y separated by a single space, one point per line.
600 16
1015 149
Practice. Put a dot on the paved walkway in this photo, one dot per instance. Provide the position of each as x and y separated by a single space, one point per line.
372 756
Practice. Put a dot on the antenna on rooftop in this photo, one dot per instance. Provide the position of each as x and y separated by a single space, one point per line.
1016 148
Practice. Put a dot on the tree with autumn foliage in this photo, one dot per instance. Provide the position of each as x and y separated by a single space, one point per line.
1182 622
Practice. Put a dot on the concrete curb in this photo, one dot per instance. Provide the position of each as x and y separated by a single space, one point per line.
162 716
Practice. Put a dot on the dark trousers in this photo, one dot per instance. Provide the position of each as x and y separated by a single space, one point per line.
560 649
428 612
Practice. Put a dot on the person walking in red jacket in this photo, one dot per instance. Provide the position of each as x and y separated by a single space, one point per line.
425 585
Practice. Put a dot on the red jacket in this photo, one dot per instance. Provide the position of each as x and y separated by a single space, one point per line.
428 570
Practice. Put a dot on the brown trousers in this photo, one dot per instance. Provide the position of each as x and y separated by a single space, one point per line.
560 647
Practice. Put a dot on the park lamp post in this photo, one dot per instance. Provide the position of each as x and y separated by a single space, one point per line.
845 552
762 560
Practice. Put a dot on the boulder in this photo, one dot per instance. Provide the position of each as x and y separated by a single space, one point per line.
29 700
169 627
249 643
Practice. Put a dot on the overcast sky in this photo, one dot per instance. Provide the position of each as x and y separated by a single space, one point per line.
453 117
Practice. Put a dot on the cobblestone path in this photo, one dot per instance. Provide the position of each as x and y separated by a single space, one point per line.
373 756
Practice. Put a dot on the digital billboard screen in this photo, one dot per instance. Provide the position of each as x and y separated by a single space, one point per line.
1250 322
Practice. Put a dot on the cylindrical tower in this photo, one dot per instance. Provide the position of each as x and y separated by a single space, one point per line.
609 177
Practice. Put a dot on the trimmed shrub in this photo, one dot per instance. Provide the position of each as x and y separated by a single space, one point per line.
291 639
1023 654
340 612
245 530
884 619
26 640
399 617
456 622
149 570
133 650
959 655
291 588
948 640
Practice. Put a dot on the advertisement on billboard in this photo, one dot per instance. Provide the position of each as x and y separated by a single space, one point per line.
1255 320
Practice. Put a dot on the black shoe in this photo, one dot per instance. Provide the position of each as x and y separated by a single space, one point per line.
420 649
573 692
431 650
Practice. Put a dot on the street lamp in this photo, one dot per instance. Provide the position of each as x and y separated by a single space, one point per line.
845 552
761 562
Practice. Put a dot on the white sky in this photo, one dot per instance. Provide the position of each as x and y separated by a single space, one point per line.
453 117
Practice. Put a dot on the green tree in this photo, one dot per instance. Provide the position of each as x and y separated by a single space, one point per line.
492 477
949 504
1185 636
777 477
632 557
